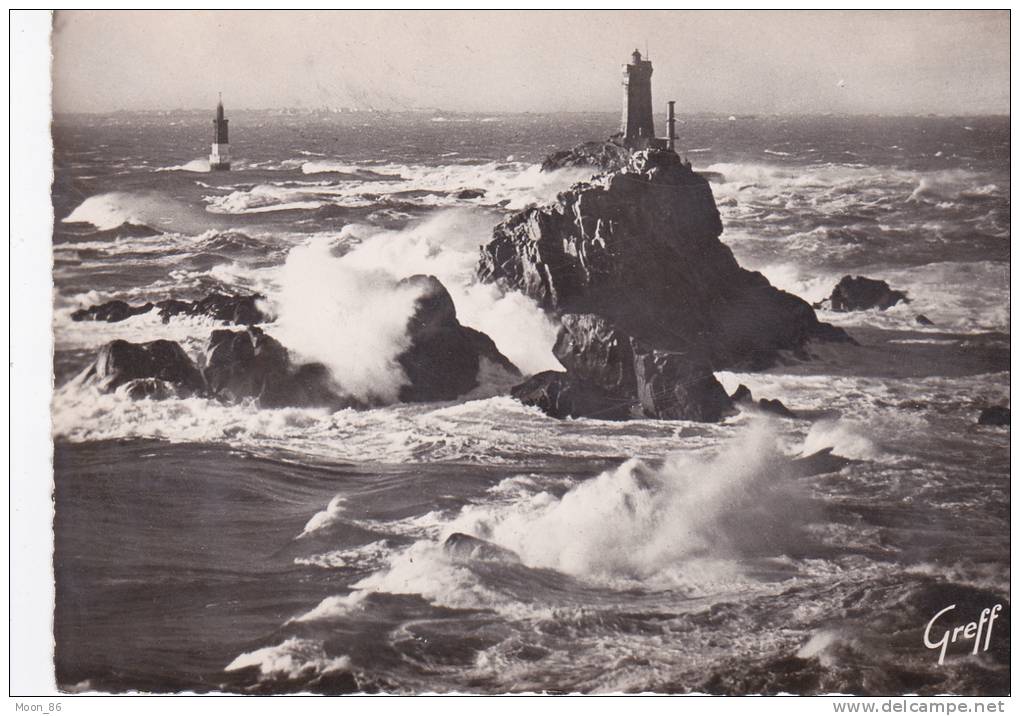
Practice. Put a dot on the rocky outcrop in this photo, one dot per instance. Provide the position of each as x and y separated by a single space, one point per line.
249 364
640 247
995 415
239 310
602 156
110 312
470 194
444 358
637 251
155 368
611 375
742 396
859 293
443 361
561 395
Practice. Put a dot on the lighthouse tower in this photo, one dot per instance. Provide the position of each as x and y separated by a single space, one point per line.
219 158
638 125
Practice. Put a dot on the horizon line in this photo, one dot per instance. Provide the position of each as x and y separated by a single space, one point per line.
490 113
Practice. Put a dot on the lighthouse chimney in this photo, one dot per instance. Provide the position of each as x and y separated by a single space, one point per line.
671 126
219 158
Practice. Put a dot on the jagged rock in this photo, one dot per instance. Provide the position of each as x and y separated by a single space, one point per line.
470 194
776 407
239 310
120 362
641 248
443 360
603 156
589 347
111 312
859 293
238 365
673 386
611 375
560 395
996 415
742 395
923 320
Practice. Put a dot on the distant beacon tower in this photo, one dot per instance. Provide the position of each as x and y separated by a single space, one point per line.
219 159
638 125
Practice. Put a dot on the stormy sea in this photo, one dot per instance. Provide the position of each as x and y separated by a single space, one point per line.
203 545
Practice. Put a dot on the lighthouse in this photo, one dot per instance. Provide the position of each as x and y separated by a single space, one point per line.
219 158
638 126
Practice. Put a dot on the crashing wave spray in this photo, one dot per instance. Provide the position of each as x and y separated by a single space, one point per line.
686 522
351 319
349 313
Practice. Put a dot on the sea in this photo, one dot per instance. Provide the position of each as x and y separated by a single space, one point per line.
202 546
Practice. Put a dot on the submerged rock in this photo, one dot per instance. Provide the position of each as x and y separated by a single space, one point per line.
239 310
444 358
120 362
923 320
859 293
641 248
820 462
995 415
467 548
470 194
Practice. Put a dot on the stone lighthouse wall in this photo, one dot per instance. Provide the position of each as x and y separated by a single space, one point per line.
638 121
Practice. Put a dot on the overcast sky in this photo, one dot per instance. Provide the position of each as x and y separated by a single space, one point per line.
719 61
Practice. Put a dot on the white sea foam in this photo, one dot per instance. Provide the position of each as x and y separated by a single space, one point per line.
846 438
692 515
291 659
327 517
367 556
352 319
965 297
195 165
358 291
686 524
513 184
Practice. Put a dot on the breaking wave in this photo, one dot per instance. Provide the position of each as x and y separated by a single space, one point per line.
358 290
